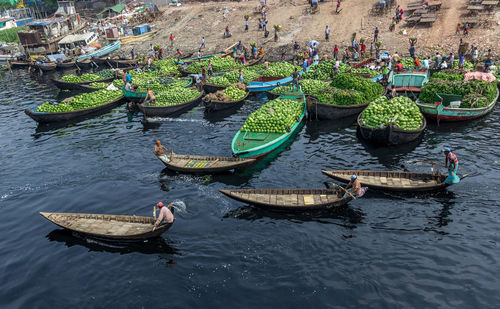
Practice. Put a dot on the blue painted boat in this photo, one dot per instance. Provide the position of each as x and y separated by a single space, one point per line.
101 52
265 83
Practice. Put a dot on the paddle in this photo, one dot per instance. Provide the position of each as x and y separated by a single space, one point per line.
327 185
428 162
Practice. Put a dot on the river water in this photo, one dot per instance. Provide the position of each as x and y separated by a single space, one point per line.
438 250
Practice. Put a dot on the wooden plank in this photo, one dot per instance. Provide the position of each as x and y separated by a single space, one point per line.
308 199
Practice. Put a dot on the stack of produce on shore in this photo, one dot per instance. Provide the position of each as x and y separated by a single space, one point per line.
176 96
325 70
276 116
218 64
467 65
167 67
81 101
430 90
229 94
280 69
399 111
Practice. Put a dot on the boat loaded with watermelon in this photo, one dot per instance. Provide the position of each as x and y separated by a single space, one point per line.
271 126
268 83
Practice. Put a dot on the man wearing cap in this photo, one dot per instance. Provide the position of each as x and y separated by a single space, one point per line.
159 151
355 186
451 162
165 216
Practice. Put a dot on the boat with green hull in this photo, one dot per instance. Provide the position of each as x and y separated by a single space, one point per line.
248 144
444 109
137 96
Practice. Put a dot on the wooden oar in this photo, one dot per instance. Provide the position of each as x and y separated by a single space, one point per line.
428 162
353 197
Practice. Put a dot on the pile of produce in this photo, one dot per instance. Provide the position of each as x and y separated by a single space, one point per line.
400 111
231 93
371 73
166 66
256 68
162 84
106 73
71 78
176 96
81 101
281 89
276 116
368 88
474 100
449 74
99 85
118 83
408 63
281 69
336 96
463 88
218 64
312 86
325 70
467 65
218 81
87 77
248 76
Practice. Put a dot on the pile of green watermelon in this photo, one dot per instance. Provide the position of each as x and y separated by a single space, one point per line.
325 70
81 101
431 89
218 64
163 84
281 89
106 73
218 81
281 69
371 73
335 96
368 88
176 96
99 85
408 63
248 76
399 111
87 77
166 67
467 65
234 93
276 116
118 83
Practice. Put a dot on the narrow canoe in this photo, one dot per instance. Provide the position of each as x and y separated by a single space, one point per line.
84 64
213 105
114 227
59 83
439 112
265 83
164 111
290 199
392 180
254 145
67 116
390 135
203 164
323 111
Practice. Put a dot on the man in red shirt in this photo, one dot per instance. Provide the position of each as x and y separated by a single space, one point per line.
399 67
179 55
171 39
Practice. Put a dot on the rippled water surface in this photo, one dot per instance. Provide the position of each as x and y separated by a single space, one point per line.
438 250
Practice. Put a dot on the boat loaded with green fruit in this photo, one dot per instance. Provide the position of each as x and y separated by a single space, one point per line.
77 107
393 122
158 85
171 102
457 100
278 74
74 82
270 126
224 99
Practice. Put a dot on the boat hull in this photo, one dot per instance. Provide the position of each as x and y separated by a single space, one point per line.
68 116
164 111
226 164
323 111
389 135
213 106
78 86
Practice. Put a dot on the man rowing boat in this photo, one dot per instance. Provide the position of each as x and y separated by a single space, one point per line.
451 162
354 187
159 148
165 216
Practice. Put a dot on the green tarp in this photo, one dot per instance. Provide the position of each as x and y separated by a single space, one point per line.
118 8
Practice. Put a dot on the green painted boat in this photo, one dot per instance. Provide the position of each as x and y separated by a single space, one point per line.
444 109
205 57
255 145
140 96
408 82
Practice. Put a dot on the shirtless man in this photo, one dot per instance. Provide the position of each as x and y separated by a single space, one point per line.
150 97
355 186
159 149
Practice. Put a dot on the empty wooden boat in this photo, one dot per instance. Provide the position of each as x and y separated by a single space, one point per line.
116 227
290 199
392 180
203 164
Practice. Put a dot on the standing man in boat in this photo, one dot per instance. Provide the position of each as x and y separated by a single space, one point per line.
165 216
354 186
451 162
150 97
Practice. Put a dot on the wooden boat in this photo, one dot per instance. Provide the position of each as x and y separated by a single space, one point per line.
59 83
290 199
122 63
42 117
409 83
253 145
323 111
19 64
209 88
390 135
141 96
442 111
213 105
46 66
203 164
392 180
100 52
205 57
84 64
115 227
265 83
164 111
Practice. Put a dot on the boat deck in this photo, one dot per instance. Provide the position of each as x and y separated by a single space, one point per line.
249 140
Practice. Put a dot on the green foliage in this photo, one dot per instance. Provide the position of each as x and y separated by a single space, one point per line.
431 89
10 35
